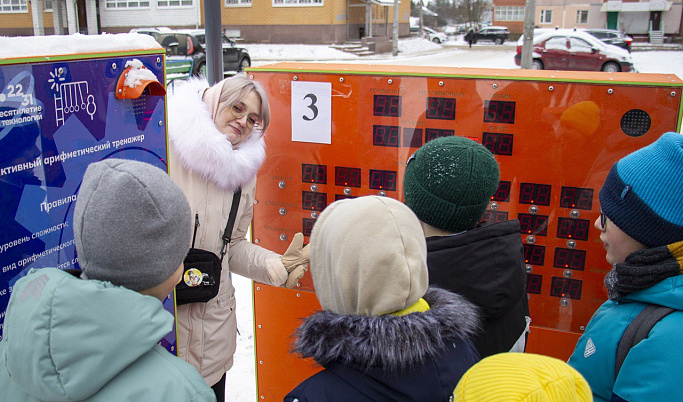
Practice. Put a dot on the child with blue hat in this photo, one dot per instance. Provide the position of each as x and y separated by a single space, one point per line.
641 226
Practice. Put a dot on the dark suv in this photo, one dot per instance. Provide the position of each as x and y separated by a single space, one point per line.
612 37
191 43
495 34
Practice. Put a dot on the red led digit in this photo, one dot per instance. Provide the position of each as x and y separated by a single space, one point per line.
561 258
502 192
581 229
525 223
392 139
321 174
533 283
557 287
574 289
320 201
491 111
432 108
394 106
505 145
543 197
578 260
508 114
346 176
307 226
380 108
448 112
585 200
568 197
378 135
375 179
307 173
526 193
390 180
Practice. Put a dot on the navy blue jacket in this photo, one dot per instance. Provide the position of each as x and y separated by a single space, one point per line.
416 357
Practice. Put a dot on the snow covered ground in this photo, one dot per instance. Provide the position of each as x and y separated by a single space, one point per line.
240 385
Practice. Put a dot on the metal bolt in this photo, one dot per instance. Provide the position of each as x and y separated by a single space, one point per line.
495 86
259 326
258 288
295 78
341 79
571 243
582 328
257 241
283 237
440 83
673 93
298 295
314 215
298 285
531 239
282 211
113 67
347 191
567 273
314 187
533 209
260 362
550 88
161 123
282 184
529 268
158 59
390 81
574 213
255 201
251 76
120 91
564 302
610 91
493 206
382 193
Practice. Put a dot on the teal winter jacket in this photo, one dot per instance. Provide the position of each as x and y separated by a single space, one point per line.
69 339
651 371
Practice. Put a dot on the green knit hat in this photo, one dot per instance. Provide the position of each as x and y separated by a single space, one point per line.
449 182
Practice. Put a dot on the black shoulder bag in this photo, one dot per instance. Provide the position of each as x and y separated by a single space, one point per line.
202 273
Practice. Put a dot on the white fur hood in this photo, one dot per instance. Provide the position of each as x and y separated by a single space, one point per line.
203 149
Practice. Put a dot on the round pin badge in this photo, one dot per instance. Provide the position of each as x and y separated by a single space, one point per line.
192 277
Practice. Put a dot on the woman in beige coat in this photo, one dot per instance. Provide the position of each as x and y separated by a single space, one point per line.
217 147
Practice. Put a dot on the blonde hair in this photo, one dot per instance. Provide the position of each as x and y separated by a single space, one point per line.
236 88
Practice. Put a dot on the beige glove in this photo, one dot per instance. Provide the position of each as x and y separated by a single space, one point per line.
276 271
295 260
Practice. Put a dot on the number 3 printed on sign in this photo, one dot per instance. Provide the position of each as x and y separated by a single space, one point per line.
312 112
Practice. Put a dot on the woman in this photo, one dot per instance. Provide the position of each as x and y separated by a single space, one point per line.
216 148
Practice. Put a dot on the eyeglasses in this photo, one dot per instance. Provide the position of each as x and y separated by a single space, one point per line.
238 110
603 219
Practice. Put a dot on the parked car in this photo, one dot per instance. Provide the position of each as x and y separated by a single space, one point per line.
151 31
436 37
191 44
613 37
495 34
575 50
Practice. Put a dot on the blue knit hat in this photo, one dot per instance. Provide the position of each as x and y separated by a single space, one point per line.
643 192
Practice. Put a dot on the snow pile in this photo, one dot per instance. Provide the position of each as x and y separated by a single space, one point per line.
54 45
137 74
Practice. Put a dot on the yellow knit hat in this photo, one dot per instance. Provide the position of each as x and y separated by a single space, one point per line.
513 377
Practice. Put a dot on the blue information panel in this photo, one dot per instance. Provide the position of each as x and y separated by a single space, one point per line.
55 119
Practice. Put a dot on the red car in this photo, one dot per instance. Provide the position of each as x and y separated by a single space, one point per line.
575 50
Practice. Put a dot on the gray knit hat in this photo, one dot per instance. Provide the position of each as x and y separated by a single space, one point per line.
131 224
449 182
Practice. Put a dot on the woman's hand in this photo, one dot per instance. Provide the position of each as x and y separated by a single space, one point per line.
295 260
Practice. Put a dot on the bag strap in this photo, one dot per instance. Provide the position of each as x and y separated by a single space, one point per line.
638 330
227 234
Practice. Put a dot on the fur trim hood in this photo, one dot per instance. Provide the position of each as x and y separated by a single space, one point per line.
202 148
394 343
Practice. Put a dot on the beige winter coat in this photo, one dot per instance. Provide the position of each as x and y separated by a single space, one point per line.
202 162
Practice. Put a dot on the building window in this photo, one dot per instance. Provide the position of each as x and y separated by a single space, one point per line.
47 5
123 4
509 14
546 16
13 6
582 17
174 3
237 3
294 3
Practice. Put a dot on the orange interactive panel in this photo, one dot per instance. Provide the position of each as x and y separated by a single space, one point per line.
342 131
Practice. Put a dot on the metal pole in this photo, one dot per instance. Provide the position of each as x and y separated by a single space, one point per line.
528 43
394 50
214 44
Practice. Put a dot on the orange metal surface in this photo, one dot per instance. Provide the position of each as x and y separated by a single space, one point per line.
549 130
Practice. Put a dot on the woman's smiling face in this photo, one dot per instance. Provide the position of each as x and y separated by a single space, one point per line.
238 129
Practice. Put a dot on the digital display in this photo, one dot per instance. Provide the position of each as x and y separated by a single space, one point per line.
576 197
338 197
383 180
532 193
534 254
412 137
347 176
498 143
385 136
533 224
494 216
441 108
313 173
569 258
499 112
502 192
387 105
307 226
577 229
565 287
434 133
533 283
313 201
